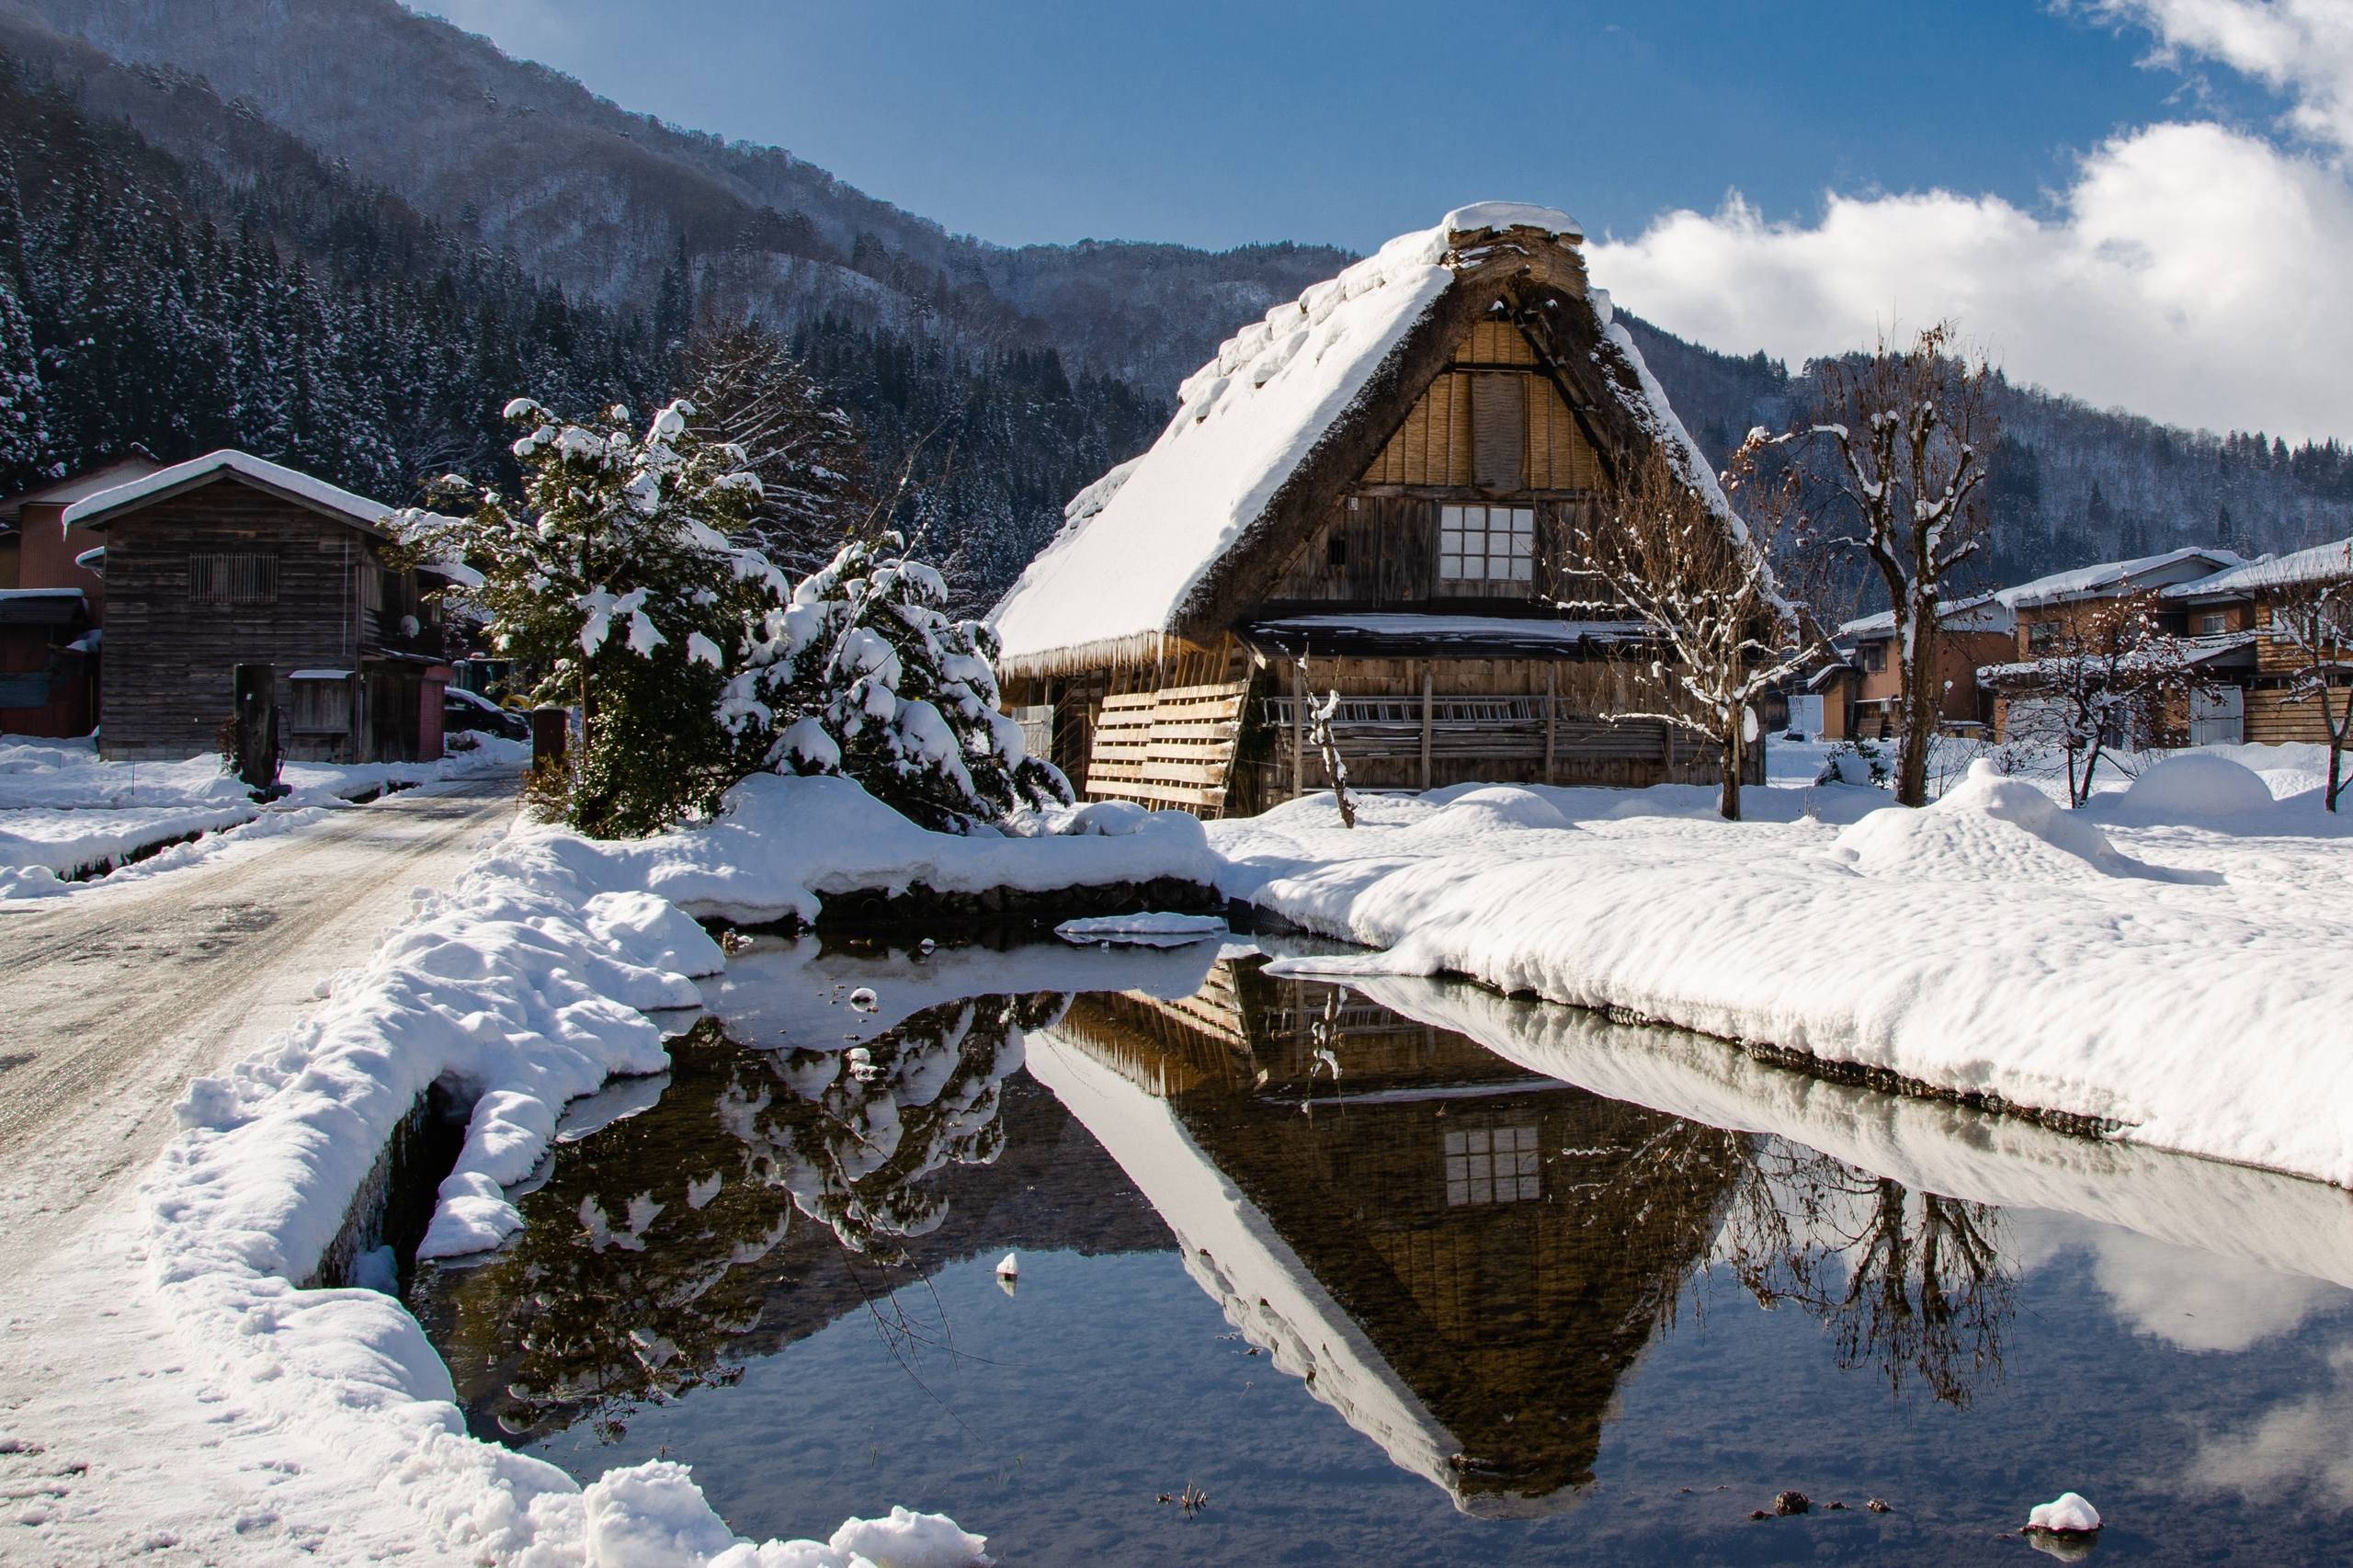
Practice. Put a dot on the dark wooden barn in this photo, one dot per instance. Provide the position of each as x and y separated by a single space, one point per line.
1379 490
229 561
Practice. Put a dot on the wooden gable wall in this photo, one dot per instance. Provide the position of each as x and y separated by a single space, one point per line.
1437 445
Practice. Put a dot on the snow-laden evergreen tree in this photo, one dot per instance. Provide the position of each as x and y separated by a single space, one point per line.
24 416
865 674
748 389
615 577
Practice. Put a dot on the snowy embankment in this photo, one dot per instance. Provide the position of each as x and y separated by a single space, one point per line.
66 814
539 976
2156 964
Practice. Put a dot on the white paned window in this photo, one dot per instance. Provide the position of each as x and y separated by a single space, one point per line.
1492 1165
1486 544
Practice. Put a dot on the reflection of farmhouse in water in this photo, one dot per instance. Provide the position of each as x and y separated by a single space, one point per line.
1460 1257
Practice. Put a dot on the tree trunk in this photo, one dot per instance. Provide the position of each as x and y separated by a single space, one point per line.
1735 754
2335 764
1917 708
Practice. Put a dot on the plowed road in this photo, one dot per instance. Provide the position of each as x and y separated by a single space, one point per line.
113 998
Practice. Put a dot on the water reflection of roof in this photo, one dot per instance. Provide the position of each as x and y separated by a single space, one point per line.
1461 1258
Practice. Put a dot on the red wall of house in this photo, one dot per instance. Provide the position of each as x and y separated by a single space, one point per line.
45 559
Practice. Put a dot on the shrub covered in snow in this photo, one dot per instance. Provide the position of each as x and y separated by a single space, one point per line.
865 674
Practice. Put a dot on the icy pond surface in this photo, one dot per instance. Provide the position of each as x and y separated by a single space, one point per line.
1403 1272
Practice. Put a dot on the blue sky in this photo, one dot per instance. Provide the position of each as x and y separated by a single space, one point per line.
1218 122
2145 203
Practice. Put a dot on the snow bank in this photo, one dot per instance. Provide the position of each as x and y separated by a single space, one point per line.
527 985
782 845
2193 787
64 812
1995 828
2159 979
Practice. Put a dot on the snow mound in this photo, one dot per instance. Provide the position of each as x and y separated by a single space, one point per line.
1992 828
2067 1513
2194 786
1493 808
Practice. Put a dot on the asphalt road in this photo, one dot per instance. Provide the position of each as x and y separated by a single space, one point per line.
113 998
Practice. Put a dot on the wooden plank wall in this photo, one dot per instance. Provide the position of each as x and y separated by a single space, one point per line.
1379 551
1173 747
1435 445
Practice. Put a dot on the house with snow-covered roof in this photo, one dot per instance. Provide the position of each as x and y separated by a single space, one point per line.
1377 490
228 578
1970 632
2259 689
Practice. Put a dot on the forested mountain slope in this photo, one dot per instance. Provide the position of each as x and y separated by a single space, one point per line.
342 234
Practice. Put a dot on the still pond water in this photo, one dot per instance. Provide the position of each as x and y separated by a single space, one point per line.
1405 1272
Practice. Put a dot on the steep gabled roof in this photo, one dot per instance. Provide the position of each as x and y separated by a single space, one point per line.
1294 408
98 510
74 486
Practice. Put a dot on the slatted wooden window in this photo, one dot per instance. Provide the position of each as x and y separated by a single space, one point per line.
1486 544
232 579
1499 431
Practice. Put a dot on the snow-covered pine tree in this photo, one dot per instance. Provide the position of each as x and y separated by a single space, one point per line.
24 414
614 575
866 675
747 389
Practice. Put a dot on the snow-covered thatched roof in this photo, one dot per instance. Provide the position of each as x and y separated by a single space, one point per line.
1289 412
2321 564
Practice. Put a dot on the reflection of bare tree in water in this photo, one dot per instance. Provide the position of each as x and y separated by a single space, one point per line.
629 1280
1909 1282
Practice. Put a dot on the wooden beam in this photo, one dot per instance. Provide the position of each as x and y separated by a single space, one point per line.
1552 719
1298 728
1426 710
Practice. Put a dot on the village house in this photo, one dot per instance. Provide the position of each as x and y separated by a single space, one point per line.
229 572
2052 609
1869 680
1377 490
2255 685
51 605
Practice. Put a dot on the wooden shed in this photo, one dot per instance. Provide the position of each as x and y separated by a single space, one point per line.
230 561
1377 490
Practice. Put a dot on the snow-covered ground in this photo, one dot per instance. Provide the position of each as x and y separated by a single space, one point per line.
2158 962
65 812
550 966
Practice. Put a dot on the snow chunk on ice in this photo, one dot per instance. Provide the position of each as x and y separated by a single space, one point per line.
1156 931
1990 827
2193 787
2068 1512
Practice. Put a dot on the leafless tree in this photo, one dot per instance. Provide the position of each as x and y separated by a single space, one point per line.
749 391
2311 612
1703 582
2111 679
1912 428
1319 734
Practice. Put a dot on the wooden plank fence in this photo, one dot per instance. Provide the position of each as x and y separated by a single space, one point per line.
1171 747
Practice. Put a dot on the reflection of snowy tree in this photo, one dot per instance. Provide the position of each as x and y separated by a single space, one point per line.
628 1283
1909 1282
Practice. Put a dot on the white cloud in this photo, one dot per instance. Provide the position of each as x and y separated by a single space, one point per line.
2191 271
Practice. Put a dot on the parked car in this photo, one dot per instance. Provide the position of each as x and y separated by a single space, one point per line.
463 710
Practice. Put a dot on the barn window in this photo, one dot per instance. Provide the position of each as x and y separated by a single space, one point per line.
1486 544
1336 550
1494 1164
2213 622
226 579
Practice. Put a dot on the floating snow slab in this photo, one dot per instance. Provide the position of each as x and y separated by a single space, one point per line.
1158 930
2158 980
